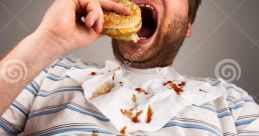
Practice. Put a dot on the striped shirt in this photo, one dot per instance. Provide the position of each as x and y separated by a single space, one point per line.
54 104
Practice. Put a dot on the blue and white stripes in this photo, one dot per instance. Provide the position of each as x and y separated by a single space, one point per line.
54 104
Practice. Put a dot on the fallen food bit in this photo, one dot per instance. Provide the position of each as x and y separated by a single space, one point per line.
94 133
140 90
168 82
103 89
121 83
113 76
123 131
202 91
129 114
93 73
135 119
149 114
150 96
177 88
182 84
134 98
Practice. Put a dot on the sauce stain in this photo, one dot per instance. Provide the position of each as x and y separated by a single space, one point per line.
135 118
149 114
182 84
129 114
177 88
93 73
140 90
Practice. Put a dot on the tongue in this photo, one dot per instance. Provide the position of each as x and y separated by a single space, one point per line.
145 32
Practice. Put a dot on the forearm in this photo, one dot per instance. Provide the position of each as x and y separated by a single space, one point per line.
24 63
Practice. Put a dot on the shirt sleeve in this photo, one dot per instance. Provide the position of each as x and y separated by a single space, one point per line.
13 120
245 111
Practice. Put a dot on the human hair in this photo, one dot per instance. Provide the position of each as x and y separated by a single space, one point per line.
193 8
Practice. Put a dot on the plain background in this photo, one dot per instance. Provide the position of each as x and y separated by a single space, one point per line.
224 29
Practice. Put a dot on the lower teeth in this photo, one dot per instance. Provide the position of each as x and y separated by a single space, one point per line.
143 38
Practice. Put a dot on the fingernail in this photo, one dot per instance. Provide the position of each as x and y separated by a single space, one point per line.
92 22
128 10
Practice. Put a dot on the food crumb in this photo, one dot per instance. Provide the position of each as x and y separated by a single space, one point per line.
177 88
94 133
202 90
129 114
123 131
135 118
140 90
149 114
134 98
182 84
93 73
113 76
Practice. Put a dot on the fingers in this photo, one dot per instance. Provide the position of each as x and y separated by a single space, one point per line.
94 9
94 17
99 23
111 5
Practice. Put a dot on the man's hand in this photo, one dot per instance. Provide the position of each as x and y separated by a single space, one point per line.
63 21
61 31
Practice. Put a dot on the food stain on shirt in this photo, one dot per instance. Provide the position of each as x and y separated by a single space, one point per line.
149 114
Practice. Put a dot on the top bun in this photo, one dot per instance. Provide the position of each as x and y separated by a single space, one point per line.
122 25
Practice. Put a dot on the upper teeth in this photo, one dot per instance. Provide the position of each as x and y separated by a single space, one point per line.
147 6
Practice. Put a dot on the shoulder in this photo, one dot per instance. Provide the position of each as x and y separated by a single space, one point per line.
70 62
232 92
56 72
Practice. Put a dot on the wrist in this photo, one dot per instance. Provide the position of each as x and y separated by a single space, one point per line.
51 43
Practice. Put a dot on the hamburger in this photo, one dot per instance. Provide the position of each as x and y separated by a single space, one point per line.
123 27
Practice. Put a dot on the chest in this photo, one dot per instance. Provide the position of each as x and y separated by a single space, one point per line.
62 109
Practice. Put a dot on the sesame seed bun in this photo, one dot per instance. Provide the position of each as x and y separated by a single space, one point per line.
123 27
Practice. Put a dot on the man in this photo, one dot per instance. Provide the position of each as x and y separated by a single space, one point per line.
139 94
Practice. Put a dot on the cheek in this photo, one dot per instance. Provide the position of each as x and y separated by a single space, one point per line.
176 7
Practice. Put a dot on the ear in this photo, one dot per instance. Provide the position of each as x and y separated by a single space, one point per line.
189 31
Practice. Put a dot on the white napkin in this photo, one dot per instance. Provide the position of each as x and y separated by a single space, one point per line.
147 107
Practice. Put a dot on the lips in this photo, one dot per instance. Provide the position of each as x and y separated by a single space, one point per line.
149 21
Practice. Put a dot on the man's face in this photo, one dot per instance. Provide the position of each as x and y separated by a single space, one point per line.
165 25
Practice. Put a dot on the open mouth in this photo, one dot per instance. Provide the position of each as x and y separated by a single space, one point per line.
149 21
